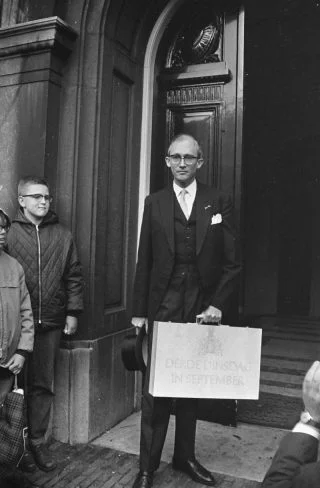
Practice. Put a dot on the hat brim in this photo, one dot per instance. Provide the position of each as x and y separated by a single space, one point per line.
134 351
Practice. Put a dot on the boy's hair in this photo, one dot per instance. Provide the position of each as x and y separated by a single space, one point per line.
31 180
5 216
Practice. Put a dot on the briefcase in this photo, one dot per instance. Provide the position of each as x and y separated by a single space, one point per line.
205 361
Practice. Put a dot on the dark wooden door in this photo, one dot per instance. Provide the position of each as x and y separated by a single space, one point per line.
297 175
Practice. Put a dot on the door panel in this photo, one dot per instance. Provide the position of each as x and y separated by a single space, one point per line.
117 195
116 255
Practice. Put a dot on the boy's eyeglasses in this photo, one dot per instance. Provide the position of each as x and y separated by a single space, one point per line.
39 197
4 228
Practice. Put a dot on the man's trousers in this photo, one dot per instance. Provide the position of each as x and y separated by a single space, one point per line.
40 379
182 302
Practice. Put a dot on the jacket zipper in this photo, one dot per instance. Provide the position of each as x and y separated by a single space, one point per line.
39 274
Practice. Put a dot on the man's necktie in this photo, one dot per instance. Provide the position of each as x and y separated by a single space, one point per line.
183 203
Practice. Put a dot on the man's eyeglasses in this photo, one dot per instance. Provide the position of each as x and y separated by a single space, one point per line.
188 159
4 228
39 197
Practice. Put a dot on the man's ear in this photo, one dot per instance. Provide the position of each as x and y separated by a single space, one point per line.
168 162
199 163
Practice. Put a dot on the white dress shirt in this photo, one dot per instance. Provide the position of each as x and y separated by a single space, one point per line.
306 429
190 194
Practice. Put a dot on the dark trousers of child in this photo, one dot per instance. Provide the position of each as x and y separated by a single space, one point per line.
40 383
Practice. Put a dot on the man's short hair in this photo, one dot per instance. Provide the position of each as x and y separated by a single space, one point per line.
5 217
182 136
31 180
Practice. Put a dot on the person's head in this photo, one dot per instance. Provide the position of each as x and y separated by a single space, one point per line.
4 227
184 159
34 198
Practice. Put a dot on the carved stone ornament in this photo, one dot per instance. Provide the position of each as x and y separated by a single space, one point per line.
197 43
194 94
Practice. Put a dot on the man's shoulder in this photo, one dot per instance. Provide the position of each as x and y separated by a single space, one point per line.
212 191
207 191
164 191
158 195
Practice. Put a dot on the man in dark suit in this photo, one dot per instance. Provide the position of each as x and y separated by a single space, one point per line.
187 266
295 463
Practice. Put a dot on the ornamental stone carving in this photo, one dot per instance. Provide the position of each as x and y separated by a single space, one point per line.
197 43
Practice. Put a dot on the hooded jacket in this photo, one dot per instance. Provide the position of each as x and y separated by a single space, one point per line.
16 321
53 273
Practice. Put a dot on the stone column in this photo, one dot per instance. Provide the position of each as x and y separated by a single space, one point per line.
32 55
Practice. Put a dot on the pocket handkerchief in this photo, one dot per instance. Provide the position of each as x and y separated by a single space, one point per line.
216 219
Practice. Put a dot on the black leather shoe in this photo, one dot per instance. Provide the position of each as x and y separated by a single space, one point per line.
143 480
43 457
27 463
196 472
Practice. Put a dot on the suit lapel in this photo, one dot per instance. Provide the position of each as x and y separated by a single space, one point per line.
204 211
166 208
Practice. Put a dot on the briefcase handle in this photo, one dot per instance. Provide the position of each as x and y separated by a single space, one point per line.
16 388
200 317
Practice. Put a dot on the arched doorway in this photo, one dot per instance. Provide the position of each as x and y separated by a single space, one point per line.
199 91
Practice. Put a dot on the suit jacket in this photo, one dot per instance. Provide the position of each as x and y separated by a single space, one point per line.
295 463
216 254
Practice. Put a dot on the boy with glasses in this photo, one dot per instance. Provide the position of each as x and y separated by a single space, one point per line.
47 252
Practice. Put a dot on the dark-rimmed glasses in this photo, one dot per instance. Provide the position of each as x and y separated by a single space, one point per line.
4 228
39 197
188 159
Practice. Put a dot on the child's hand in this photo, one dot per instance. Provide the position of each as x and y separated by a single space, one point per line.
16 363
71 325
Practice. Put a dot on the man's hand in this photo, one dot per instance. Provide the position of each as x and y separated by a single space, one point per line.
71 325
311 391
211 315
16 363
140 322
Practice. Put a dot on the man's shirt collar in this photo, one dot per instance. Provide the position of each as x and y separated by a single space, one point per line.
191 189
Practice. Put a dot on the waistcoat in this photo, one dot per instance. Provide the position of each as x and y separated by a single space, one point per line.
184 235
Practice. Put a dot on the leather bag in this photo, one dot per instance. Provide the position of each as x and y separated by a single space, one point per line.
13 430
